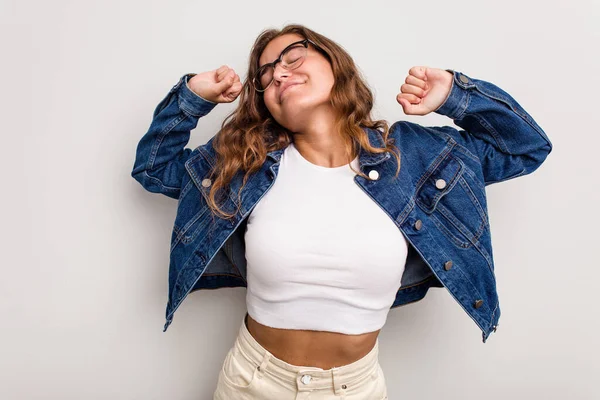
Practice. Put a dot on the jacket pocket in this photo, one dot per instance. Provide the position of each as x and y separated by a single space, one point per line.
190 230
193 218
455 201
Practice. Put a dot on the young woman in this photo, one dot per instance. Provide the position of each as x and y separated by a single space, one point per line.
302 198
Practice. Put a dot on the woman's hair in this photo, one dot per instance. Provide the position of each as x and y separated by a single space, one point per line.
249 132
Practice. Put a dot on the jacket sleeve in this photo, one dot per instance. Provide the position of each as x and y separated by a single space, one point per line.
160 155
505 138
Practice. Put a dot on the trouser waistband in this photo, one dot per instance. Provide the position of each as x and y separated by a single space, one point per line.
305 377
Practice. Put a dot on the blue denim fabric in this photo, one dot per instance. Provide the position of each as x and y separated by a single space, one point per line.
447 226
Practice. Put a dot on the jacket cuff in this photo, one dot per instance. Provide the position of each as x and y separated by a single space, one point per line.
189 101
456 102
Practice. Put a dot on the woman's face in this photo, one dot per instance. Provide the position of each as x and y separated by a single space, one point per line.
313 81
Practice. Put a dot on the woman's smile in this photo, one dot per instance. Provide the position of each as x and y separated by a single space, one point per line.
286 90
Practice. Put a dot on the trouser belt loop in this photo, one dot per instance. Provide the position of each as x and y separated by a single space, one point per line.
263 365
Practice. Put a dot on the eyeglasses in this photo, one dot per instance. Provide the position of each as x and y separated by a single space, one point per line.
291 58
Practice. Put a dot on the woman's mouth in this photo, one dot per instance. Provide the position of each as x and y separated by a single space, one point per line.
286 89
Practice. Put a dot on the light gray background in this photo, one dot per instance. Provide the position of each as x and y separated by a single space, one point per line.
85 249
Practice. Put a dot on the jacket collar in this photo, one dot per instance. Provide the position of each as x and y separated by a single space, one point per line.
364 157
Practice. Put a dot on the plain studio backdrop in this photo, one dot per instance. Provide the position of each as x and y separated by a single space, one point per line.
85 249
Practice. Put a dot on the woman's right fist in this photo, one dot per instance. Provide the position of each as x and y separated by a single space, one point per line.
219 86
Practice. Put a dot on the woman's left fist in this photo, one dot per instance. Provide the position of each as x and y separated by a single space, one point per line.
425 90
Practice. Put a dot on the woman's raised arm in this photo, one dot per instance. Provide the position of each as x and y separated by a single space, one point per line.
161 153
497 130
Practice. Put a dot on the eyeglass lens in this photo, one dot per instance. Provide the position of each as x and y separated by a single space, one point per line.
291 59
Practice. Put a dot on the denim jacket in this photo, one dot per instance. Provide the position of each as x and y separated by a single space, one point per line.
438 201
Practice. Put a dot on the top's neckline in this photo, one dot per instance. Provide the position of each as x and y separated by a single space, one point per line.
320 167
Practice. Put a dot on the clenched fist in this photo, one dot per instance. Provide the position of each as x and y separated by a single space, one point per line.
219 86
425 90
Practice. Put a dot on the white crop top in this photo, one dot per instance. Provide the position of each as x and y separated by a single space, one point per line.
321 254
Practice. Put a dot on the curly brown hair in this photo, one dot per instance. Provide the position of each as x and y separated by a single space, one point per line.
249 132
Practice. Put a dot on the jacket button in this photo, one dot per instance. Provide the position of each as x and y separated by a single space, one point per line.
206 182
373 175
464 79
447 265
440 183
418 225
478 303
494 328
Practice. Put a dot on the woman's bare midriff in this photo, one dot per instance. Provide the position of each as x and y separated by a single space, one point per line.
312 348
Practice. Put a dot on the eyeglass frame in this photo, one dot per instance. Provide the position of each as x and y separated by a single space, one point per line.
304 42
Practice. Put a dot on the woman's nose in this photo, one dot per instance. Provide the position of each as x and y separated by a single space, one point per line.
280 71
